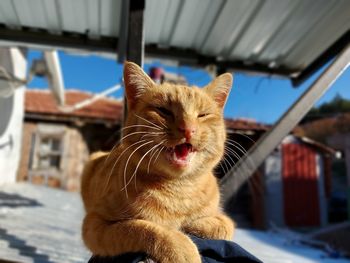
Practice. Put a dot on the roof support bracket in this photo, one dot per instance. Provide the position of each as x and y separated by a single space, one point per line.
241 172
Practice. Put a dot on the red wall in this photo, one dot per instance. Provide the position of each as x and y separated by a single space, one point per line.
300 186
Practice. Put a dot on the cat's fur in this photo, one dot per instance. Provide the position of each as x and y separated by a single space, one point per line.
139 199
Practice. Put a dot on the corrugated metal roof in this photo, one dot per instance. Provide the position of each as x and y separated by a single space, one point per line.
91 17
285 36
291 33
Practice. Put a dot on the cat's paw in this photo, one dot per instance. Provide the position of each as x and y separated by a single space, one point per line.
178 248
215 227
219 232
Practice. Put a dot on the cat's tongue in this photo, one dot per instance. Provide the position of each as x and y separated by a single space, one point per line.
182 150
181 155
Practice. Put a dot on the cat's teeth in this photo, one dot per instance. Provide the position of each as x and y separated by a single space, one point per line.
180 158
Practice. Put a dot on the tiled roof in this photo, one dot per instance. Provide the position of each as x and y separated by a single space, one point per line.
245 124
43 103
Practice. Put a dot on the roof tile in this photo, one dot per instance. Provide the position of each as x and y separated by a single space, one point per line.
43 102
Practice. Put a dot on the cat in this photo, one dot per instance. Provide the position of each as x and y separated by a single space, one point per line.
157 184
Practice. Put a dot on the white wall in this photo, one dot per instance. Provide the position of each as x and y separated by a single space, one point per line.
11 115
274 189
321 190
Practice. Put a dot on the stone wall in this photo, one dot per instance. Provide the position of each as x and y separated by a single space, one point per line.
73 158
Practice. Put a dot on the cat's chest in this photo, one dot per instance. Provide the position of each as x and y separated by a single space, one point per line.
167 209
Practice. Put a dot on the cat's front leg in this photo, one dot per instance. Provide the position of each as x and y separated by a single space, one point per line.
163 245
218 226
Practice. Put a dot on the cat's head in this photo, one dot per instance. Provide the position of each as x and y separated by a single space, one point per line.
181 128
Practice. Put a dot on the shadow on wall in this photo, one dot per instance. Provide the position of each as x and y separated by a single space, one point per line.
6 111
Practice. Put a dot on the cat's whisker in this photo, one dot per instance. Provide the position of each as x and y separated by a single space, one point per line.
237 145
115 145
233 152
150 151
164 125
153 124
246 165
222 168
115 163
131 126
221 163
229 156
225 164
126 166
154 151
244 135
157 152
241 147
161 149
138 164
152 155
227 159
242 150
140 125
151 135
140 132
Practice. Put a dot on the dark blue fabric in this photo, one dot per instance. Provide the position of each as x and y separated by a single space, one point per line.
211 251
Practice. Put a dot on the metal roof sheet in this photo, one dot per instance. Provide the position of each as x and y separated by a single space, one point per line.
278 36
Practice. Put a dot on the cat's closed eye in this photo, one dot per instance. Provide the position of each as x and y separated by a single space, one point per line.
202 115
164 111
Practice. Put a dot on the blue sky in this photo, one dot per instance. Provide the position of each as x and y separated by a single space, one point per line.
264 99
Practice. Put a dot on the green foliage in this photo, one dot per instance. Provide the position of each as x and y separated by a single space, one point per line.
326 120
337 105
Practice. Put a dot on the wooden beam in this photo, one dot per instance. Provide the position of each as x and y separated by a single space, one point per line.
132 40
123 31
136 41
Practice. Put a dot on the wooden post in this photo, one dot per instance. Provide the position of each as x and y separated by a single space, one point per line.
131 43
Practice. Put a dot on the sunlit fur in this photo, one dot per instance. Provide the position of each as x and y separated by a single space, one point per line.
135 199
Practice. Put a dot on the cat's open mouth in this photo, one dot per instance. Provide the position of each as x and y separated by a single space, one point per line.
181 155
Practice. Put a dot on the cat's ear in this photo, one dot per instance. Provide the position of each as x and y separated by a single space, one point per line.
220 88
136 82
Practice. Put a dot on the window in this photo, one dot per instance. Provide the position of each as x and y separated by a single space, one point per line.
49 152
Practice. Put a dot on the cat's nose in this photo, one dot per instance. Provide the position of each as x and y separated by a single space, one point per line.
187 130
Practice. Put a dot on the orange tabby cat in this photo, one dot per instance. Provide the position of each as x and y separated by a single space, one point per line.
157 184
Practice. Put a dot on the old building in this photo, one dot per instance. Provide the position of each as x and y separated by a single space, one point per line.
57 142
335 132
293 179
297 183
